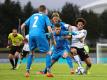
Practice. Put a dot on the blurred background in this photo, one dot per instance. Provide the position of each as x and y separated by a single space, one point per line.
15 12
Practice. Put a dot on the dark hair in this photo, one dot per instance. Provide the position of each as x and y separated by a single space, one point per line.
57 25
42 8
80 20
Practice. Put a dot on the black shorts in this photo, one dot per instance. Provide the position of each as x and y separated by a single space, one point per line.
14 49
81 53
24 53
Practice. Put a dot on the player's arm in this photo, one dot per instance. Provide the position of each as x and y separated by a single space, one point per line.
67 37
26 23
52 35
48 23
68 34
23 29
9 41
70 27
80 35
67 26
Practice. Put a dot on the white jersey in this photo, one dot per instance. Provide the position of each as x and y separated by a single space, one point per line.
78 40
26 45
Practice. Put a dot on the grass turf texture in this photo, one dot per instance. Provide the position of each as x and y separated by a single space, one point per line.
60 71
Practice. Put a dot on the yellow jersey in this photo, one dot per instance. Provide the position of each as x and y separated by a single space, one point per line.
17 40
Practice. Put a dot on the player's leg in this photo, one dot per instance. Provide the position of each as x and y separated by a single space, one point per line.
11 56
17 54
76 56
43 45
51 52
54 58
32 46
69 61
11 60
23 55
85 57
88 62
45 70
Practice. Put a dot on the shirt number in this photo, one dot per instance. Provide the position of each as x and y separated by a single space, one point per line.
35 21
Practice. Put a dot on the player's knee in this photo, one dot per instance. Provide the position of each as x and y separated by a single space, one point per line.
16 55
50 52
73 51
65 55
88 61
10 56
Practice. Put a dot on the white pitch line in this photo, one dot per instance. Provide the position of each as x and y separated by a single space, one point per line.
73 75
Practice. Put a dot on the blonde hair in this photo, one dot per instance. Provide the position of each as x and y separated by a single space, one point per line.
55 14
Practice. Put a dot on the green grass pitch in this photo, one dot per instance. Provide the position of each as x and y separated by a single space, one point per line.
60 71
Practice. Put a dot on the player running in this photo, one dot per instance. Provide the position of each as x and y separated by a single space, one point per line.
15 41
77 45
37 37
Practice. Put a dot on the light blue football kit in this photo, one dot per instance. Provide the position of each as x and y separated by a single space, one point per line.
37 38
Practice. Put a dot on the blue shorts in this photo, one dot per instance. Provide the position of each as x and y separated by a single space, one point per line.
39 42
57 54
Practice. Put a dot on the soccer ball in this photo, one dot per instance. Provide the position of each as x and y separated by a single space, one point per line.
80 70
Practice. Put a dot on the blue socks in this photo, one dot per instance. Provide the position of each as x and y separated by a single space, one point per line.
29 61
48 61
69 61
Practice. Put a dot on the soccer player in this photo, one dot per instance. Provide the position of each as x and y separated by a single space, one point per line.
25 50
77 45
37 37
60 50
64 27
15 41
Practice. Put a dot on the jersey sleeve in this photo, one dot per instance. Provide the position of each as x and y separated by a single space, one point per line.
66 26
48 23
9 37
27 22
81 35
21 37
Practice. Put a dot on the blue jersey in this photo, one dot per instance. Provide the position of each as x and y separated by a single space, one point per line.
62 24
37 23
63 27
61 42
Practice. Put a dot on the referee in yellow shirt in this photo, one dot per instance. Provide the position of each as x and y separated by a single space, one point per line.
15 41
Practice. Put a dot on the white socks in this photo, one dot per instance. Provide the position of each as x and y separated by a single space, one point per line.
77 59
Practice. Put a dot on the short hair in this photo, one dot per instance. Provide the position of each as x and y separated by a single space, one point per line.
42 8
14 29
57 25
80 20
